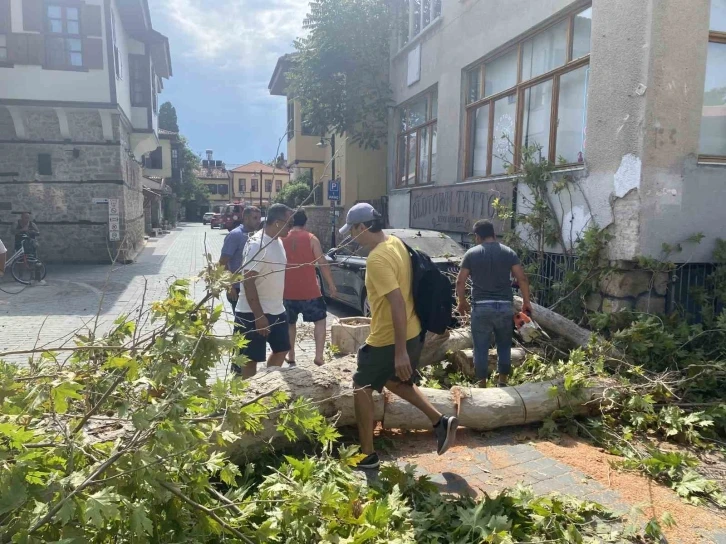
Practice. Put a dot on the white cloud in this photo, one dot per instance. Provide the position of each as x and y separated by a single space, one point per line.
231 34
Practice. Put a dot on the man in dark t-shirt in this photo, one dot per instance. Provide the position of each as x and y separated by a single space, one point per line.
490 265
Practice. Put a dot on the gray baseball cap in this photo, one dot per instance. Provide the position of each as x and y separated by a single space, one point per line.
360 213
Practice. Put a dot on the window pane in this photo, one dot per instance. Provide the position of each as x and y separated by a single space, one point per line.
56 26
74 45
473 94
582 33
434 106
54 12
713 120
505 115
411 159
718 15
212 189
73 27
437 8
416 17
479 142
72 14
3 52
572 113
403 22
403 115
76 59
434 130
426 13
423 169
402 161
223 189
545 52
501 73
417 112
538 118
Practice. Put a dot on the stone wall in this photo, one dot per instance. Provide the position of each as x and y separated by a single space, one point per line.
319 224
630 288
85 167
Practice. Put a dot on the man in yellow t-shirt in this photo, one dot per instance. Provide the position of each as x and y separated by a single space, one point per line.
391 353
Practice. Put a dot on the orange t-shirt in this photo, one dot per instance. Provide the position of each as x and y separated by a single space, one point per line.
301 282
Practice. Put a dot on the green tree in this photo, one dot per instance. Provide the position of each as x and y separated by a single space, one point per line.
340 70
167 117
295 194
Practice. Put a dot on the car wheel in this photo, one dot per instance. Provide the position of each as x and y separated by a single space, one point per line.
365 305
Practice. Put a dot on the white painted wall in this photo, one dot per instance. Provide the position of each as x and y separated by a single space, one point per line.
34 83
399 207
139 118
123 85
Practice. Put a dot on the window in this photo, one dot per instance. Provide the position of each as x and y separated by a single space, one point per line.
255 185
155 159
154 93
268 185
212 189
175 158
242 185
415 16
416 146
533 95
3 47
290 120
139 73
45 166
64 46
307 129
713 119
223 189
116 55
278 185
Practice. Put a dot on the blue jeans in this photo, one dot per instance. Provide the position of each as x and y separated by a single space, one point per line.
488 318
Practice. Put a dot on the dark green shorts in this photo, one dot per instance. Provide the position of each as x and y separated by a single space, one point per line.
376 366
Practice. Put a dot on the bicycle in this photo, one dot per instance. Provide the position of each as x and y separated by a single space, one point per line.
24 264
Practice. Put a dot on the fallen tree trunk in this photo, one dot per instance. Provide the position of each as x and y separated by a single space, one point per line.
554 323
437 346
331 389
463 360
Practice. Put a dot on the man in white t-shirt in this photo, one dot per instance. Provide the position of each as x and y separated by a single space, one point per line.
3 256
260 313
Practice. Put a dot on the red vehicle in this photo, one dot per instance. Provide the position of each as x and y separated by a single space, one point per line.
216 221
232 215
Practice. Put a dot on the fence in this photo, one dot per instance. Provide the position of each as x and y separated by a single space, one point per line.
687 282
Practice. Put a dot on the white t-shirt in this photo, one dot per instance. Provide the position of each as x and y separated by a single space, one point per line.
266 257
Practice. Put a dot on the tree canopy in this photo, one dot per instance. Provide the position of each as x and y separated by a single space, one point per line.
167 117
340 70
295 194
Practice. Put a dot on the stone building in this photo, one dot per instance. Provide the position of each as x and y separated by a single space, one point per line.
628 98
78 111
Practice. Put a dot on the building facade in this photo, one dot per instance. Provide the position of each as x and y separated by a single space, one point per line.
615 92
78 111
257 184
214 175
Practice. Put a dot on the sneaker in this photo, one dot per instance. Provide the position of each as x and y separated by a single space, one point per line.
370 463
42 282
445 431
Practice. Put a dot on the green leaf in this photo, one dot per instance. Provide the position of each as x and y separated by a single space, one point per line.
102 506
64 391
140 522
229 474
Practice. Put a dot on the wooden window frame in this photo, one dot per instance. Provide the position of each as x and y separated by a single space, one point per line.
278 185
719 37
402 137
242 185
254 185
519 91
65 36
268 185
139 63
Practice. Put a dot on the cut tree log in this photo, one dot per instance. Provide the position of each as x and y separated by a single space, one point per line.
437 346
331 389
556 324
463 360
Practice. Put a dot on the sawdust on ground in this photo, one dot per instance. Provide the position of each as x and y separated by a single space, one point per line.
653 498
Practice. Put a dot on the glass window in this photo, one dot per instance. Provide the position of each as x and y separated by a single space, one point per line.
545 51
582 34
505 115
572 113
212 189
255 185
416 6
278 185
223 189
434 130
242 185
290 120
68 50
713 119
418 112
480 142
411 158
423 163
474 81
501 73
537 117
414 16
268 185
417 141
718 15
437 8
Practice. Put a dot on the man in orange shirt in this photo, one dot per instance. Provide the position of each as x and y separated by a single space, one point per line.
302 291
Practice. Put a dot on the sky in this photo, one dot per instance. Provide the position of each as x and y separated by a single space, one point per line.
223 54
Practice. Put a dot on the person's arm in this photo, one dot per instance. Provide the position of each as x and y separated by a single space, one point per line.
464 307
523 281
324 266
400 329
32 227
251 271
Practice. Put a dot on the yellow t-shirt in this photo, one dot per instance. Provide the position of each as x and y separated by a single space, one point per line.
388 268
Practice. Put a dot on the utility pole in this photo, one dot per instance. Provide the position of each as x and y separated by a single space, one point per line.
260 186
332 202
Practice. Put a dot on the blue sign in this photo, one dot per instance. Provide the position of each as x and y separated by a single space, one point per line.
334 190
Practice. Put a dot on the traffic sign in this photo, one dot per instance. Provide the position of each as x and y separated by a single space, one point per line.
114 236
334 190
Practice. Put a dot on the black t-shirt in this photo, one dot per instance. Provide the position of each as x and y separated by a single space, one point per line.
490 266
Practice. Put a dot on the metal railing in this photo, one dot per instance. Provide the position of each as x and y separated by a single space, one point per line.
687 283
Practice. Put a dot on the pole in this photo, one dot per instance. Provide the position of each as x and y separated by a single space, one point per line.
332 202
260 186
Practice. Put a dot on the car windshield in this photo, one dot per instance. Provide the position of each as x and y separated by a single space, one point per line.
434 244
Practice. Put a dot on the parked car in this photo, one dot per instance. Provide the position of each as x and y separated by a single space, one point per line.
232 215
217 221
348 263
207 217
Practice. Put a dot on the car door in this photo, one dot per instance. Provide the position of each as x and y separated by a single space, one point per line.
340 269
353 272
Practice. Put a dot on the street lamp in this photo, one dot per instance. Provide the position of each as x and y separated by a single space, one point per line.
322 144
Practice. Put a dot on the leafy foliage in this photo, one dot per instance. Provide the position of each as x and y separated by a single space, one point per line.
167 117
340 70
293 195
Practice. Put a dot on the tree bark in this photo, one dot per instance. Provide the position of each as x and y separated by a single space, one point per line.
437 346
555 324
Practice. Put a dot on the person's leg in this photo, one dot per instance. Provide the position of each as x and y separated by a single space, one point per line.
293 311
320 342
412 394
363 402
255 348
276 359
279 339
316 311
481 333
292 329
503 332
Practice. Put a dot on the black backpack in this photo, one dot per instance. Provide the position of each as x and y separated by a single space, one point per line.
433 293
